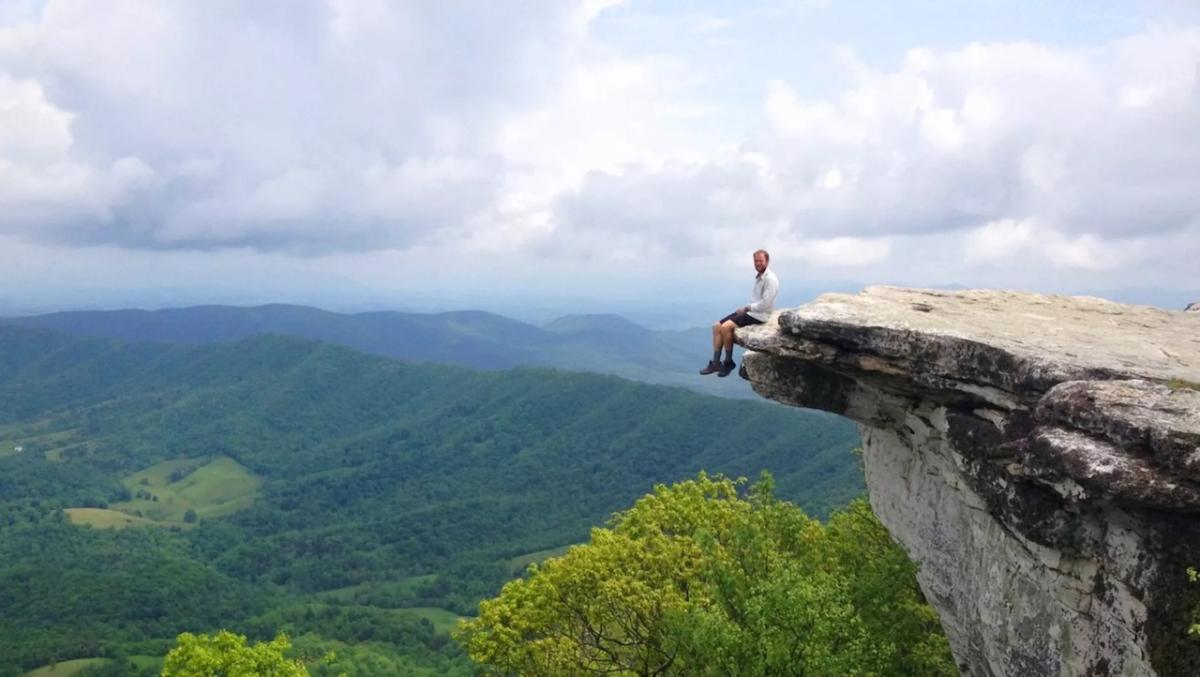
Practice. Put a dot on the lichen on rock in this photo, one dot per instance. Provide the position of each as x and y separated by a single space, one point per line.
1034 454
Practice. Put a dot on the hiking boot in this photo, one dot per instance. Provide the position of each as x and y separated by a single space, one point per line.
726 367
712 368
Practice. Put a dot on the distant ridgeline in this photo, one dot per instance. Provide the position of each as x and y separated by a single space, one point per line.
355 502
605 344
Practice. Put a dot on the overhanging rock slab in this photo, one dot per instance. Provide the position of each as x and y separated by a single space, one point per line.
1038 456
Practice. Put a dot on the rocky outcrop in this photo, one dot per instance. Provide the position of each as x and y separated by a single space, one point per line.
1193 307
1038 456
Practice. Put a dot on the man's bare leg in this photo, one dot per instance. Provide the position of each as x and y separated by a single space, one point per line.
718 335
727 329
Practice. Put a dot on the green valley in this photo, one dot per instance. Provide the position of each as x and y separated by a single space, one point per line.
357 503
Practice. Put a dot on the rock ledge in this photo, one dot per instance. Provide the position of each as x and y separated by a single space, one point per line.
1039 456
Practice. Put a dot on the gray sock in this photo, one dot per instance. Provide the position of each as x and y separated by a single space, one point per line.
716 355
729 355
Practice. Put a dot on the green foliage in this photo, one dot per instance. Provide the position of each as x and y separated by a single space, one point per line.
70 592
31 484
225 654
695 579
362 636
407 486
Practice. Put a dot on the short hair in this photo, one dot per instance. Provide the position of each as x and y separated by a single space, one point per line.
765 253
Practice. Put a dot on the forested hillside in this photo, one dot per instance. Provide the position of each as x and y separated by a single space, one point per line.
356 502
606 344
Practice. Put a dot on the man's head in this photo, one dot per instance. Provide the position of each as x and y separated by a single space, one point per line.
761 259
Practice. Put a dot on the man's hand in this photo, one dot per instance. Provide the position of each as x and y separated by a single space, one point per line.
744 309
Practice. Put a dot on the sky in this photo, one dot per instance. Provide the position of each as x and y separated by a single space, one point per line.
598 155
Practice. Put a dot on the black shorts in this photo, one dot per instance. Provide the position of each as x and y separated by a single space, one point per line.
740 319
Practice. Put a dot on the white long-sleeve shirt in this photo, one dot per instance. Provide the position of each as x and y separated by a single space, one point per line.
762 299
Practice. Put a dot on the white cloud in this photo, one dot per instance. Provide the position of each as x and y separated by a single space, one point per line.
705 24
1064 153
1000 240
996 131
33 130
42 185
322 124
841 252
590 9
1023 242
542 129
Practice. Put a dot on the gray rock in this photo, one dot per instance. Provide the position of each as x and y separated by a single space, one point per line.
1193 307
1038 456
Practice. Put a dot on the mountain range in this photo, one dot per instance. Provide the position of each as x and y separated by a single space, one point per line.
605 344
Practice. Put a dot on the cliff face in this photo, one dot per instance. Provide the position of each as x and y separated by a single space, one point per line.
1038 456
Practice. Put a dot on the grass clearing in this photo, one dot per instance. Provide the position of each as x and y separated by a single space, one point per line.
67 667
166 491
352 594
108 519
443 620
413 583
35 438
75 666
517 565
9 430
56 443
143 662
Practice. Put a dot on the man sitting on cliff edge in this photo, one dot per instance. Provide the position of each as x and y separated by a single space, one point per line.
762 301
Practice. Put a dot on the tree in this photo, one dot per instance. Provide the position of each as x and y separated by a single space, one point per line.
696 579
225 654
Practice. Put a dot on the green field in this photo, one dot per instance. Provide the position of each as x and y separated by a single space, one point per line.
66 667
164 492
142 662
351 594
72 667
443 620
107 519
9 438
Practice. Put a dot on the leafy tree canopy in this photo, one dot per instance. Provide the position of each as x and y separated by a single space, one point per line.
225 654
697 579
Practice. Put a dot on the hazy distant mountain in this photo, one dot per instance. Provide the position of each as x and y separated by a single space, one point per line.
600 327
1170 299
608 344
